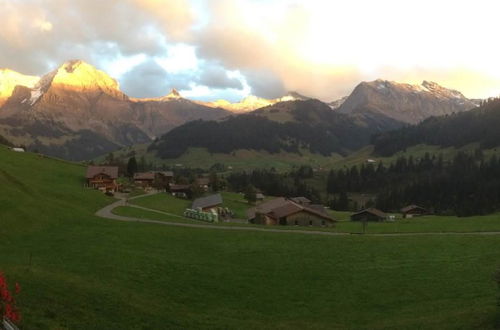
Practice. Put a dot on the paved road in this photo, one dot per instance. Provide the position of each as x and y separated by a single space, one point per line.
107 213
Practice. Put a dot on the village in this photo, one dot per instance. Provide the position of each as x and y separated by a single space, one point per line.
207 204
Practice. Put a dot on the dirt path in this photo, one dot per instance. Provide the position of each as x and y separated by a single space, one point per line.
107 213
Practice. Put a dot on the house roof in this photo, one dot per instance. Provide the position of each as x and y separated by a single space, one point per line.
301 200
144 176
373 211
166 173
208 201
111 171
179 187
285 210
266 207
411 207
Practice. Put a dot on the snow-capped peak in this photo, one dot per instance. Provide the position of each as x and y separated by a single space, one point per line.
10 79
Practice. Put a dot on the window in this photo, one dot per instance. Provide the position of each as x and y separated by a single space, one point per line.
310 223
296 223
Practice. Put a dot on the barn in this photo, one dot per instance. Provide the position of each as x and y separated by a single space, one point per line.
370 214
411 211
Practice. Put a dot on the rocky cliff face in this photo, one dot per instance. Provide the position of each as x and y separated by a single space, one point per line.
404 102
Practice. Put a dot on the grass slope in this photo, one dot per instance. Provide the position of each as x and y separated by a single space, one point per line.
90 273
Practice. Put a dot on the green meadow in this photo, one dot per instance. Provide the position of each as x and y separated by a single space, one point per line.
78 271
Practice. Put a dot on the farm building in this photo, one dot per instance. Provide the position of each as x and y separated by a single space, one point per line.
179 190
163 179
370 214
207 203
203 183
151 179
282 211
102 177
413 211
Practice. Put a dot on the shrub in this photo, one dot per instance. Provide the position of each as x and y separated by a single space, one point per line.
8 309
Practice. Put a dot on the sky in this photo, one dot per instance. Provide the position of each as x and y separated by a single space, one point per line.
213 49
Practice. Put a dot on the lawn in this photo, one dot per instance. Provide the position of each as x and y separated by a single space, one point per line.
91 273
426 224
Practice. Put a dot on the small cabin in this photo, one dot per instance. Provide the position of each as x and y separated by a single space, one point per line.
102 178
370 214
411 211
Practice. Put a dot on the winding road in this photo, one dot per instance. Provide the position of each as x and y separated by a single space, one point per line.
107 213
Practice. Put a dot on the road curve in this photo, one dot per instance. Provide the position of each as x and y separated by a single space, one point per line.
107 213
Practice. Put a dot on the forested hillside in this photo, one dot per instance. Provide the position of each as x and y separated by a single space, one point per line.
475 126
289 126
467 185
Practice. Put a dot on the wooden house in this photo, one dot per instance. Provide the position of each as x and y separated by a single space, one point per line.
411 211
163 179
282 211
370 214
179 190
102 177
144 179
208 203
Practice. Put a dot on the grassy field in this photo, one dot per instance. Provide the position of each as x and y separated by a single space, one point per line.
426 224
170 204
91 273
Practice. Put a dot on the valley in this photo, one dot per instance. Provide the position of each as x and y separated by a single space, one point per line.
150 275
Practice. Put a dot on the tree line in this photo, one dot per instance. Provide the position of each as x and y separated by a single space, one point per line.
466 185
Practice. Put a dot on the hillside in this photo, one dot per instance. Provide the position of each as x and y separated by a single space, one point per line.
287 126
476 126
404 103
79 271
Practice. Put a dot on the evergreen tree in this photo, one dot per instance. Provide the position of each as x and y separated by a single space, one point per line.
131 166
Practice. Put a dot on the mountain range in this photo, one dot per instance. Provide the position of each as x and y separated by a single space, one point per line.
77 112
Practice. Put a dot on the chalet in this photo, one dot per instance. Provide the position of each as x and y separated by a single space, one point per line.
179 190
282 211
208 203
413 211
163 179
102 177
144 179
157 179
370 214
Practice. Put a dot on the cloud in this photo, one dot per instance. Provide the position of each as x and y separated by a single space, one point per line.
215 76
316 47
149 79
